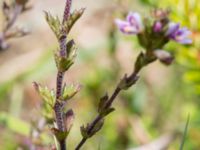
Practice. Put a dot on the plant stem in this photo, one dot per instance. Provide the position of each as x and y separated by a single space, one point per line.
9 23
17 11
81 143
58 107
67 10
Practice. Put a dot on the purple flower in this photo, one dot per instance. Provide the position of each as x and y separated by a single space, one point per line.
132 25
180 35
157 27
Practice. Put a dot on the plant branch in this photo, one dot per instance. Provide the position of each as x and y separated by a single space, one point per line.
10 23
142 61
11 13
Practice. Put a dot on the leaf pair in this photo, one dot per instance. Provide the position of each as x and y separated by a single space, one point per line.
58 27
63 63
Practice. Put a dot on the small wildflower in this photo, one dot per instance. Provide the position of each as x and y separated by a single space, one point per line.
180 35
132 25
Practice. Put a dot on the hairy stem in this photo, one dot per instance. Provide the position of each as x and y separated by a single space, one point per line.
63 38
58 107
67 10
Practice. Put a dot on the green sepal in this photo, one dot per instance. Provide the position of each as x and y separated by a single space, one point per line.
64 63
60 135
70 91
102 103
107 111
68 24
127 82
84 131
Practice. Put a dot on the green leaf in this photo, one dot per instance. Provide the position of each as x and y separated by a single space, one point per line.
102 103
54 24
15 124
84 131
64 63
68 24
185 133
70 91
47 95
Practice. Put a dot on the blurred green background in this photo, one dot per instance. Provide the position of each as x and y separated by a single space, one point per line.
158 106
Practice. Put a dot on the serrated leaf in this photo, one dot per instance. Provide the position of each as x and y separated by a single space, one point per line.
70 91
72 19
54 24
47 95
64 63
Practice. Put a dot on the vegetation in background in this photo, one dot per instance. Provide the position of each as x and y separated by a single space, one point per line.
11 12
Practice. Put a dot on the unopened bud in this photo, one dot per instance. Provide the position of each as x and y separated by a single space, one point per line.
164 56
157 27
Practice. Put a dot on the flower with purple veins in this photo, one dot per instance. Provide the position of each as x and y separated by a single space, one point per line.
180 35
132 25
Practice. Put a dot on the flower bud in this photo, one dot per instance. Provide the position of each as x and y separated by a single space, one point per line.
164 56
157 27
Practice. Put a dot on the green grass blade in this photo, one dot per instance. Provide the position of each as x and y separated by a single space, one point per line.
185 133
